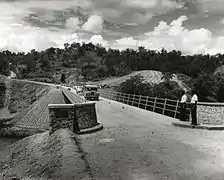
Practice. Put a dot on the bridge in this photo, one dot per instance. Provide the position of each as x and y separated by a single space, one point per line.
139 144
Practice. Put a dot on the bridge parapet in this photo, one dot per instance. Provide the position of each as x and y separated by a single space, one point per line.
78 115
72 97
210 113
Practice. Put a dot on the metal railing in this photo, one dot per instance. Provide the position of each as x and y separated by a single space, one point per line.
163 106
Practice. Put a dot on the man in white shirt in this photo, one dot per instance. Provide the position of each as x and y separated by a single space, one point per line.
183 104
194 101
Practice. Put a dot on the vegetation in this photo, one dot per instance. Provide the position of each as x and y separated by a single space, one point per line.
136 85
94 62
6 122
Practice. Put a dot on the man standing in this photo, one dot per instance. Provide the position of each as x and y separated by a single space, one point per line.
194 101
183 104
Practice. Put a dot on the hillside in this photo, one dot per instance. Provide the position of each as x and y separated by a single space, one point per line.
45 157
90 63
151 76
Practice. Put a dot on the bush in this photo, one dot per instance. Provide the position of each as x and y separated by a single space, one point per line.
6 122
136 85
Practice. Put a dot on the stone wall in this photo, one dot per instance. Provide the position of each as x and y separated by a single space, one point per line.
61 116
210 113
73 116
86 115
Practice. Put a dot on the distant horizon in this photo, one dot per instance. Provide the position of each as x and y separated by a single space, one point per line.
192 27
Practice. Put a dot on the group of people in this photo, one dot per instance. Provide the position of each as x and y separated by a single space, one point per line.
193 104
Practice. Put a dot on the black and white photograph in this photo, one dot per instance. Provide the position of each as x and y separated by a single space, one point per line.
111 89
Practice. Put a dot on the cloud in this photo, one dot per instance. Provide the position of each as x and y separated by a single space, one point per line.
145 4
139 18
124 43
98 39
73 23
140 3
134 11
214 6
94 24
18 35
222 21
51 4
175 36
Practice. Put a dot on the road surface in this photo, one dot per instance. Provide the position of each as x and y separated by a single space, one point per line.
140 145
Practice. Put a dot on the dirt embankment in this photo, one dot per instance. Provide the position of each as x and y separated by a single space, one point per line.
45 157
26 102
24 94
150 76
19 95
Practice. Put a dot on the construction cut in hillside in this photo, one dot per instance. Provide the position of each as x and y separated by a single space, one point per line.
56 157
150 76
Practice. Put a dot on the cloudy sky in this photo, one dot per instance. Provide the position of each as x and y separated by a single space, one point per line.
192 26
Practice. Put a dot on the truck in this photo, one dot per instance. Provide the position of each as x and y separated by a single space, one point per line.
91 92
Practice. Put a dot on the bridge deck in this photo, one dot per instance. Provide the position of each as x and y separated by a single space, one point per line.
138 144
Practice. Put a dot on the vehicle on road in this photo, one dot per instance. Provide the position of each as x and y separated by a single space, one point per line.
91 92
78 89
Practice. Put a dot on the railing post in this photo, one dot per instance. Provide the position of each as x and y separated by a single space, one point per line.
139 101
164 107
109 94
154 106
114 96
123 97
119 96
133 100
146 102
128 99
175 114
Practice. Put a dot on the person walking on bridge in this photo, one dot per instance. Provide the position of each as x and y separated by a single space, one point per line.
183 104
194 101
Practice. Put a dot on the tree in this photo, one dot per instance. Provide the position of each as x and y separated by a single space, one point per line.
167 76
63 78
136 85
4 66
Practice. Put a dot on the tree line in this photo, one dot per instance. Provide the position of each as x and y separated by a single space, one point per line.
95 62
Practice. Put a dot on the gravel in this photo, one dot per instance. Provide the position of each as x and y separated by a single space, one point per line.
48 157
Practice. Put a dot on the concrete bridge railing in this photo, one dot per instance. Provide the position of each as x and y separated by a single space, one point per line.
207 113
77 114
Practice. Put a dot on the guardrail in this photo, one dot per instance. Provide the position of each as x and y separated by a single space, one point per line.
207 113
163 106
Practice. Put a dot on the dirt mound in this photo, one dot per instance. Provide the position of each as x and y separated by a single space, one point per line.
45 157
37 115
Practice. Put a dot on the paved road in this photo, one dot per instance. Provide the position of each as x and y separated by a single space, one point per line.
141 145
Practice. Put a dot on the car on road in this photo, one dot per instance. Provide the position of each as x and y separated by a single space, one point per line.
91 92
